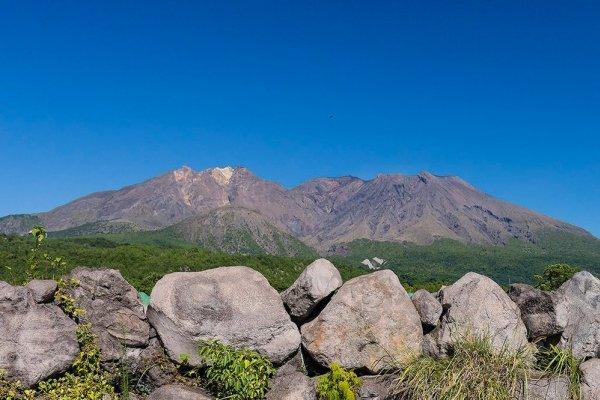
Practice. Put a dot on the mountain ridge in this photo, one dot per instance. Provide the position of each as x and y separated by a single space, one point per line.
321 212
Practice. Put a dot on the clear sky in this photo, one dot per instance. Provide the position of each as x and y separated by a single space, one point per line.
505 94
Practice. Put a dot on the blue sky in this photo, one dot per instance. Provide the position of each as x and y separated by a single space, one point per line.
505 94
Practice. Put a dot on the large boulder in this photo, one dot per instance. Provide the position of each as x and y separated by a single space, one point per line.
578 311
113 308
315 284
590 382
476 306
428 307
537 310
368 324
235 305
36 340
179 392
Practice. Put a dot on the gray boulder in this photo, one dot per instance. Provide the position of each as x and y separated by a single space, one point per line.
113 308
36 340
578 311
476 306
42 290
431 346
378 387
537 310
151 364
179 392
590 383
291 382
368 324
235 305
315 284
428 307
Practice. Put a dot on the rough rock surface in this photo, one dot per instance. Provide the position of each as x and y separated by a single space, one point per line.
113 308
428 307
315 284
590 385
178 392
369 320
233 304
376 387
152 364
537 310
578 311
477 306
42 290
36 340
547 388
291 382
431 345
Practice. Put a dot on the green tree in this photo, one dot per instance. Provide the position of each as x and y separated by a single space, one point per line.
555 275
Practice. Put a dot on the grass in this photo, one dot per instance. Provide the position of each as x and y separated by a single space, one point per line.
561 361
474 371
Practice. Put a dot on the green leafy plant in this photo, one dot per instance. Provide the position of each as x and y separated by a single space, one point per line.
86 380
38 258
555 275
475 370
558 361
237 374
339 384
13 390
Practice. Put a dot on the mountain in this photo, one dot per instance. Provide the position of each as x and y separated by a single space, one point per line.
324 213
228 229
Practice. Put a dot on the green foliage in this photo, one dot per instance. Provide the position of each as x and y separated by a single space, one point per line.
64 300
444 261
558 361
13 390
144 264
339 384
474 371
555 275
86 380
237 374
37 258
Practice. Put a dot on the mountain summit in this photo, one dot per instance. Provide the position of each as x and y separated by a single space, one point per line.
321 213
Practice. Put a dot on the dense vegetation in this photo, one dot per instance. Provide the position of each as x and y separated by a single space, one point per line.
144 258
445 260
141 264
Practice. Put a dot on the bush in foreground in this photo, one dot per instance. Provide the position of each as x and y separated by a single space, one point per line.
236 374
339 384
474 371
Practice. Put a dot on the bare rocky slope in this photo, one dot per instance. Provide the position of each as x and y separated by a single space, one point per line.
321 213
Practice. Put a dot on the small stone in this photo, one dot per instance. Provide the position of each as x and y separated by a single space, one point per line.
42 290
428 307
179 392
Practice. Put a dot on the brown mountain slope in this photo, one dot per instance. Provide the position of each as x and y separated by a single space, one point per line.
321 212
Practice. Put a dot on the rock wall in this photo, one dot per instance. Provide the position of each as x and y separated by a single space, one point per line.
365 324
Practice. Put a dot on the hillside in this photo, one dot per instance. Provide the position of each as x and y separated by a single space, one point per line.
322 213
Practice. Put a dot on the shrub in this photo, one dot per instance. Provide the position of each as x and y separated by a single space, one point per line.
474 371
236 374
558 361
13 390
555 275
339 384
86 380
